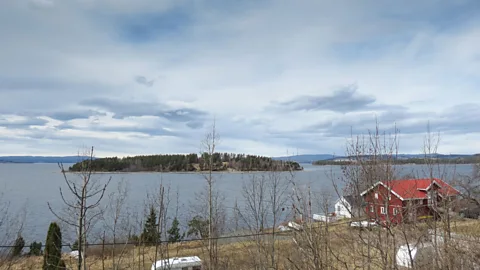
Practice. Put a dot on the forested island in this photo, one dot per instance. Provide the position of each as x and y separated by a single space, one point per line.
403 161
188 163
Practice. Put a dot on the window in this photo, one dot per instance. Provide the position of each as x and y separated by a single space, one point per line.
196 268
376 195
339 208
382 210
184 268
371 208
395 211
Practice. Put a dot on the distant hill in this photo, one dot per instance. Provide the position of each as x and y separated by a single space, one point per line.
305 158
317 157
41 159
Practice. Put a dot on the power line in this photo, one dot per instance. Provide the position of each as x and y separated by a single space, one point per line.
183 240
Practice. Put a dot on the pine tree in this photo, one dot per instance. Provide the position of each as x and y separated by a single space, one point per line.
174 232
53 248
150 233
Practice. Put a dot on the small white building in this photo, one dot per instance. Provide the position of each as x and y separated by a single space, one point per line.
344 207
421 255
181 263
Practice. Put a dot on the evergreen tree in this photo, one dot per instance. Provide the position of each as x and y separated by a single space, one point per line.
18 246
74 246
198 227
53 248
35 249
174 232
150 233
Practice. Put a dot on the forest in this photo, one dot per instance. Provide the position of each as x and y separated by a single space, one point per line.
188 163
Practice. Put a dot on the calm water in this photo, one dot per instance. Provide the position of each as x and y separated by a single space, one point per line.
31 186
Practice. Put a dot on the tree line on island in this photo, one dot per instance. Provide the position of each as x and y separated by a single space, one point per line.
188 163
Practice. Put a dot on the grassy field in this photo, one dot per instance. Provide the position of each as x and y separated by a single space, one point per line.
346 249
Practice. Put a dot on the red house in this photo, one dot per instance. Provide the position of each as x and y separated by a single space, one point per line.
398 201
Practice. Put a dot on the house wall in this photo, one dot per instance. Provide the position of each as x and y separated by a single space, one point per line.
414 209
343 209
393 208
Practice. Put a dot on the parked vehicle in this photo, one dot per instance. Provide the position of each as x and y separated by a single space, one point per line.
363 224
181 263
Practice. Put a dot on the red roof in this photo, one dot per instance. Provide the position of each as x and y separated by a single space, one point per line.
417 188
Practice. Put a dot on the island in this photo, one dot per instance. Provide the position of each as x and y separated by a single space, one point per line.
188 163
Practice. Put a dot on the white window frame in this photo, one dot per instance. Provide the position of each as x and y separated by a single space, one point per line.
371 209
376 195
395 211
382 210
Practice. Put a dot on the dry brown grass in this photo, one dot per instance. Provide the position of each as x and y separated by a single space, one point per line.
344 244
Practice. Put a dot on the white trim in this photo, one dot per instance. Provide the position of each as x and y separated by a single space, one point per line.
343 202
382 210
433 182
389 189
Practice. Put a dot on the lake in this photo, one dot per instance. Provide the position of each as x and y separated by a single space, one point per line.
33 185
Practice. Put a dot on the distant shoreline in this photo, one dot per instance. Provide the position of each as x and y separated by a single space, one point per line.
393 163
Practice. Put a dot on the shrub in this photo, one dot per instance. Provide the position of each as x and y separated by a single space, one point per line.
35 249
18 246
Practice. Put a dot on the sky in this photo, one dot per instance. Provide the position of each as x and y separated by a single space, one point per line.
276 77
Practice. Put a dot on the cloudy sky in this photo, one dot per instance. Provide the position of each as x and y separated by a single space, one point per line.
149 76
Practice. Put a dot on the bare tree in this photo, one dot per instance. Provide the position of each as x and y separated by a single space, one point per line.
82 211
265 200
209 145
11 226
116 218
469 185
372 159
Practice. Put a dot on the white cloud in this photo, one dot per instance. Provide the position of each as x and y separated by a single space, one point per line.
415 60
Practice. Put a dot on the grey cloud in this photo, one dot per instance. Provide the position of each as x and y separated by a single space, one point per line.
74 114
122 109
343 100
152 131
195 125
45 84
346 99
142 80
64 115
454 120
22 123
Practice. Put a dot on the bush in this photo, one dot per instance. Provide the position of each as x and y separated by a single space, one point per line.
18 246
35 249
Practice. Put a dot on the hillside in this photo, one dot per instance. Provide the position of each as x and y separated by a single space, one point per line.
329 158
406 159
305 158
41 159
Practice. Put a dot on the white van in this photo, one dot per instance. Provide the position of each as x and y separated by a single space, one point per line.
181 263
